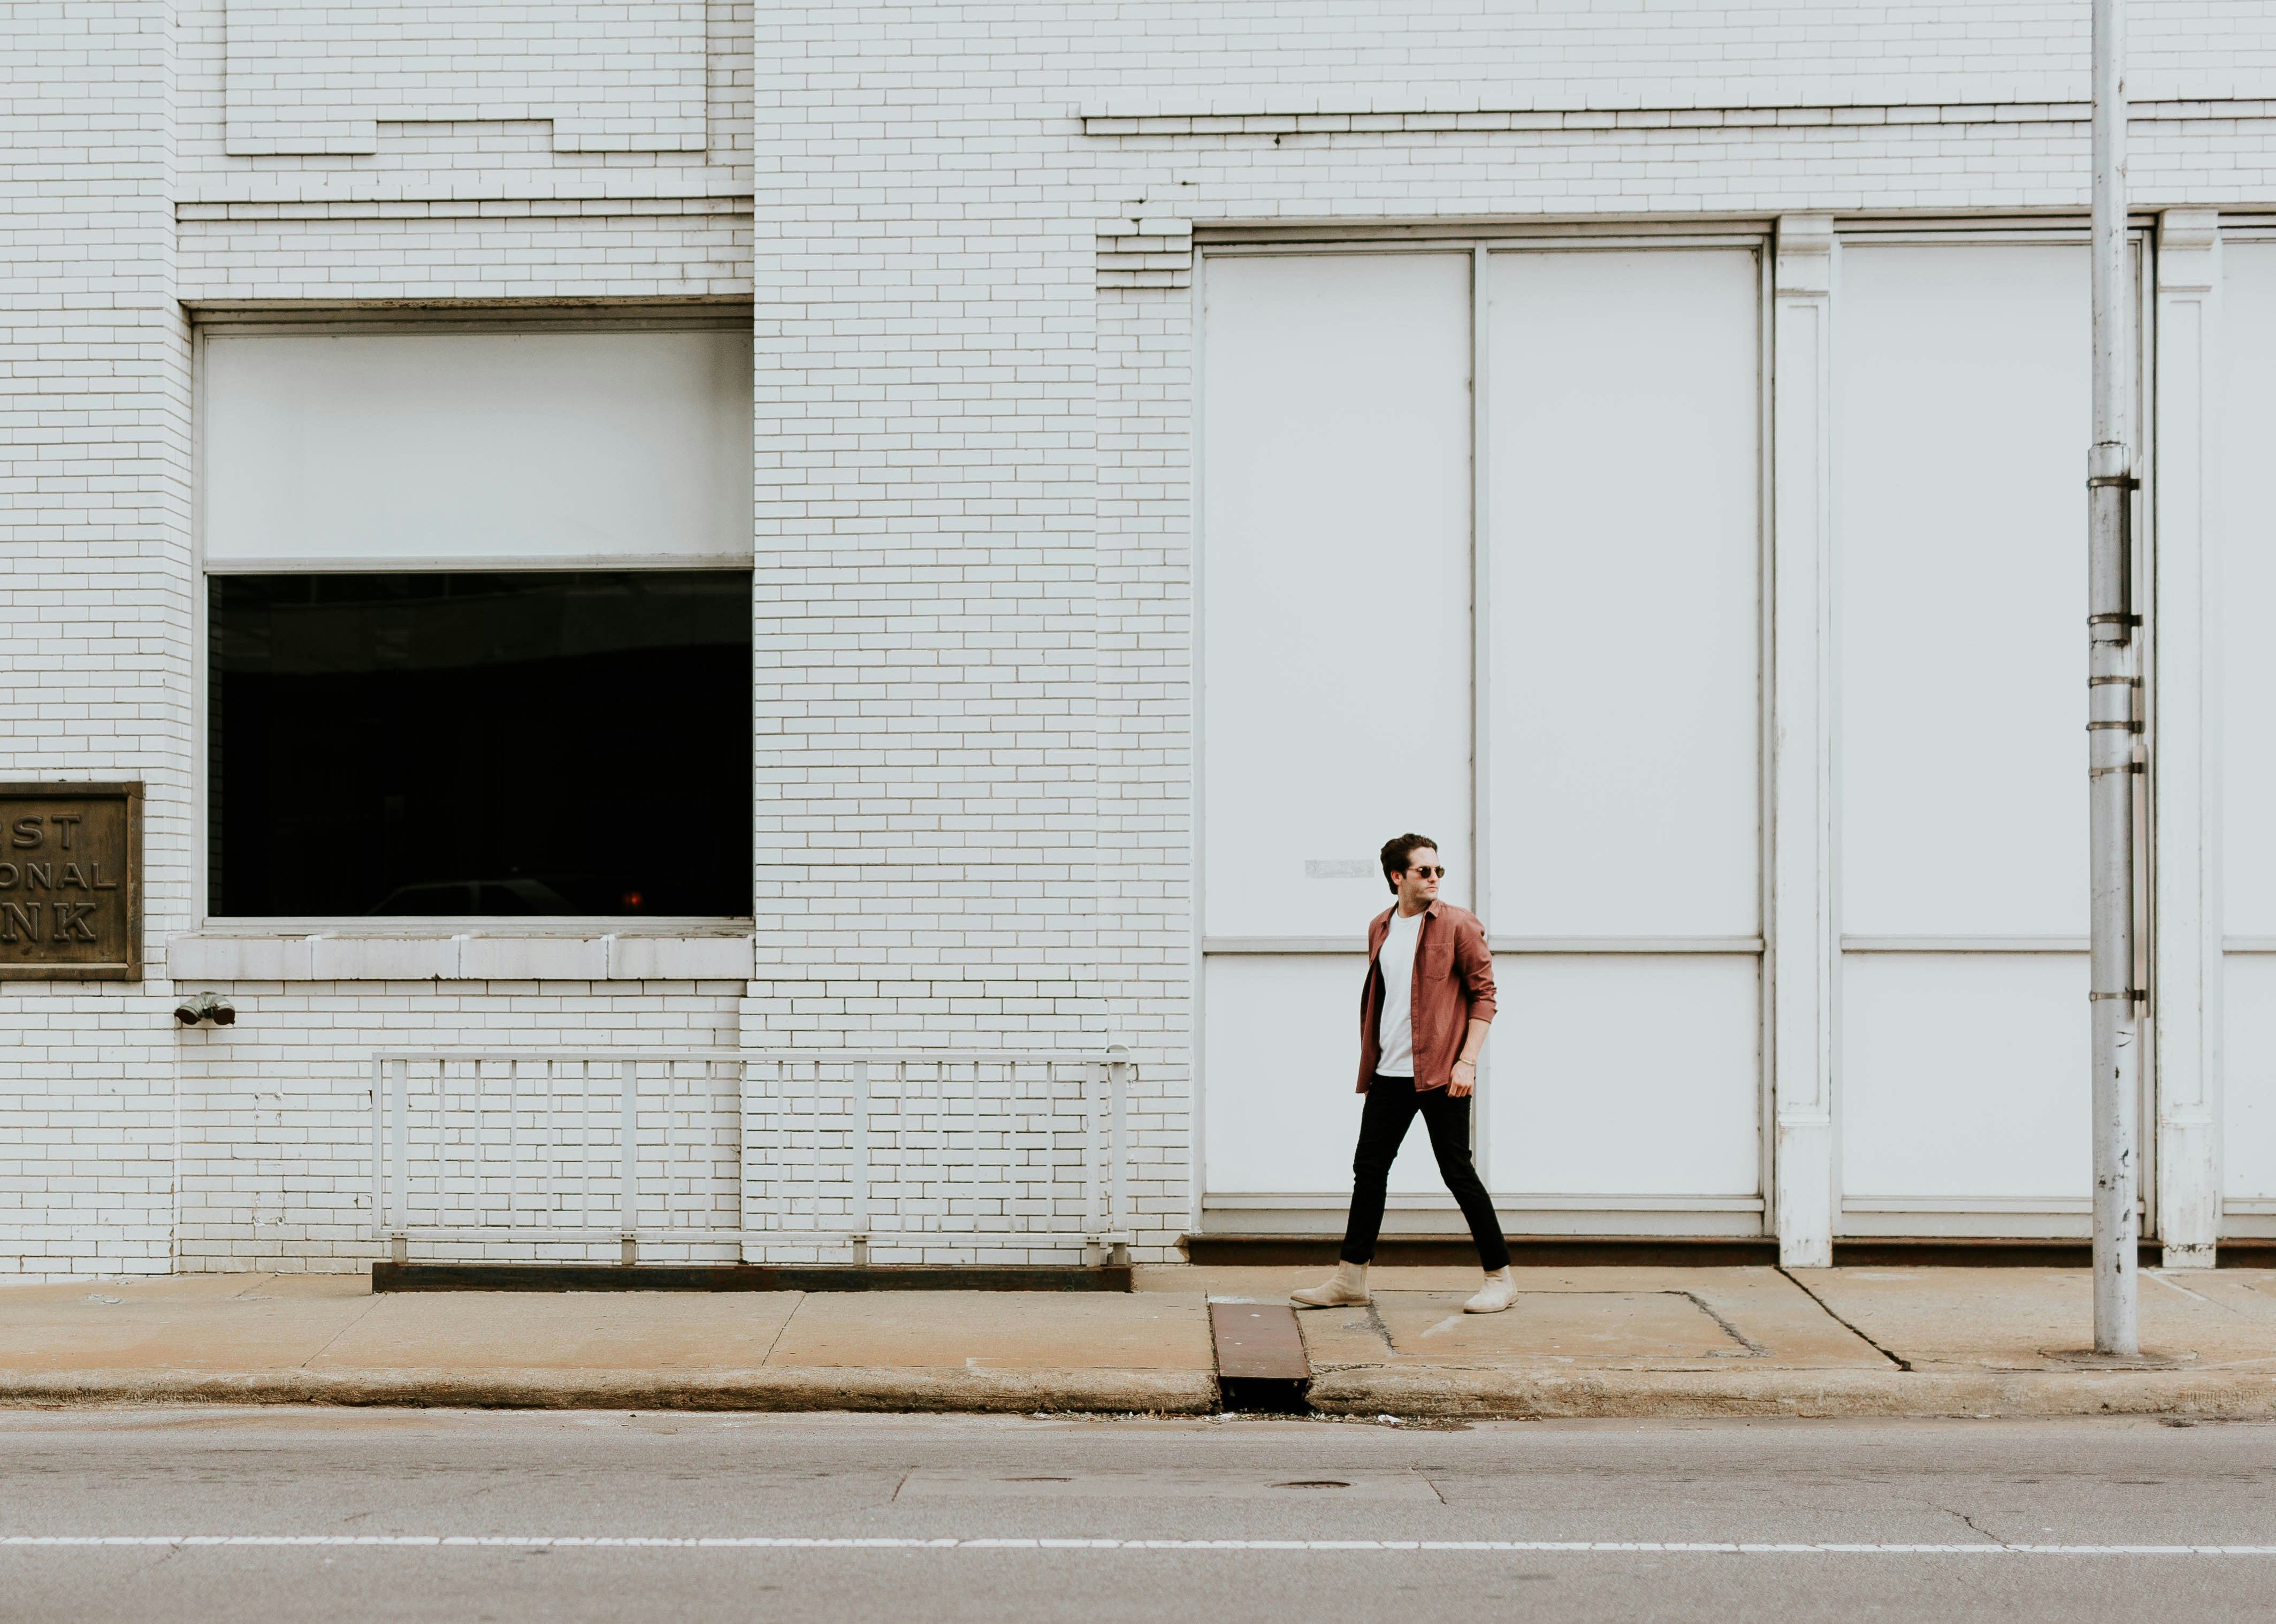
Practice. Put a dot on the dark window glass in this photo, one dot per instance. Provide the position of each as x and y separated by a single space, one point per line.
497 745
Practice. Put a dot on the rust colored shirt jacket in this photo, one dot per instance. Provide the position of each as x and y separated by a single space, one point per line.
1453 986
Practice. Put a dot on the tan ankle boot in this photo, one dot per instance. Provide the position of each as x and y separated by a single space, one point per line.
1345 1288
1498 1294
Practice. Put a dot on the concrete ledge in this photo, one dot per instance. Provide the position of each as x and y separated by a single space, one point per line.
394 1277
532 957
477 953
1184 1392
369 959
1369 1390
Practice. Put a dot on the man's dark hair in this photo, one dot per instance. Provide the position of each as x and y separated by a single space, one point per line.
1397 852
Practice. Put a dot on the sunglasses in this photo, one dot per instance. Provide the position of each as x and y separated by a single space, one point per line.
1423 870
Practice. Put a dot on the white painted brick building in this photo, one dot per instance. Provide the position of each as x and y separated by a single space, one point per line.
974 246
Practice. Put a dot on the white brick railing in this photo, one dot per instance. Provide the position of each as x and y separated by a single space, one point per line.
752 1148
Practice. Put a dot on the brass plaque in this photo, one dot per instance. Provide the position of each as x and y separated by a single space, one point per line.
71 882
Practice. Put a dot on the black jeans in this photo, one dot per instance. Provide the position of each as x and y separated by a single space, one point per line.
1392 1102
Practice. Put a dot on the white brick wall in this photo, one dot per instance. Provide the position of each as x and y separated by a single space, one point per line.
1145 956
95 546
964 229
1260 56
606 249
317 78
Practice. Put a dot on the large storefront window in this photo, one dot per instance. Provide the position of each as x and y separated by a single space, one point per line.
479 605
504 744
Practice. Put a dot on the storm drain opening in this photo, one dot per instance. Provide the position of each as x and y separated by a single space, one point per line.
1263 1395
1261 1368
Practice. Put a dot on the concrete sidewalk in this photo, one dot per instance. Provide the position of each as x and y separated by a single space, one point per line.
1759 1341
1581 1342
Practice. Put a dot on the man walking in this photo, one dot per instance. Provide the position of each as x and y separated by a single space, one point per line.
1423 1017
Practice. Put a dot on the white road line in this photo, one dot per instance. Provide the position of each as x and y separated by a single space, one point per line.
765 1542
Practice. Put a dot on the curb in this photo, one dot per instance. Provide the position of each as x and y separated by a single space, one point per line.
1368 1389
1185 1393
1350 1390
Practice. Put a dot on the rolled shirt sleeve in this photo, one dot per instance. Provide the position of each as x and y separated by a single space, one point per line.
1474 963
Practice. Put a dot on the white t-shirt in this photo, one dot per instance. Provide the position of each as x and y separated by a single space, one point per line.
1394 1030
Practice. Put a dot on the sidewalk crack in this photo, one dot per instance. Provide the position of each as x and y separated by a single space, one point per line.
1855 1331
2158 1275
1755 1350
342 1332
802 1299
1375 1318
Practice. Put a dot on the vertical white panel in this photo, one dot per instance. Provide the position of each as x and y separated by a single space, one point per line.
1961 377
1627 1075
2248 1128
2248 529
1961 427
1335 581
436 446
1802 965
1626 771
1626 548
1964 1077
2185 945
2246 544
1281 1057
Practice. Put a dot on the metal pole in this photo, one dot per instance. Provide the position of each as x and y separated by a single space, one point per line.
2111 724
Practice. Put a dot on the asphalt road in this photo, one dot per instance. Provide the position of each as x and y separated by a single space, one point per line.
100 1514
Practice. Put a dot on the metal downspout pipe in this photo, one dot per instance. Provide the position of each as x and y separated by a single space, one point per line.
2113 727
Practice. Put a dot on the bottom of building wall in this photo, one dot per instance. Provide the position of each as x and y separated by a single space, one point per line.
1322 1214
1695 1251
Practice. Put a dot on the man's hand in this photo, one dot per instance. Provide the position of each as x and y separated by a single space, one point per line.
1465 1079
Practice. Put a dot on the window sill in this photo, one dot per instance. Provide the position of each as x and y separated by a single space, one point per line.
523 949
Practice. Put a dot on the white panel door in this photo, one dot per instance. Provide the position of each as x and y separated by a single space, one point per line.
1963 1077
2248 1128
1960 401
1335 541
1627 1075
1626 574
1961 384
433 447
1335 582
2248 656
1624 411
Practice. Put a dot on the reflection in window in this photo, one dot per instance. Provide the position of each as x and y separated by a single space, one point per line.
481 746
